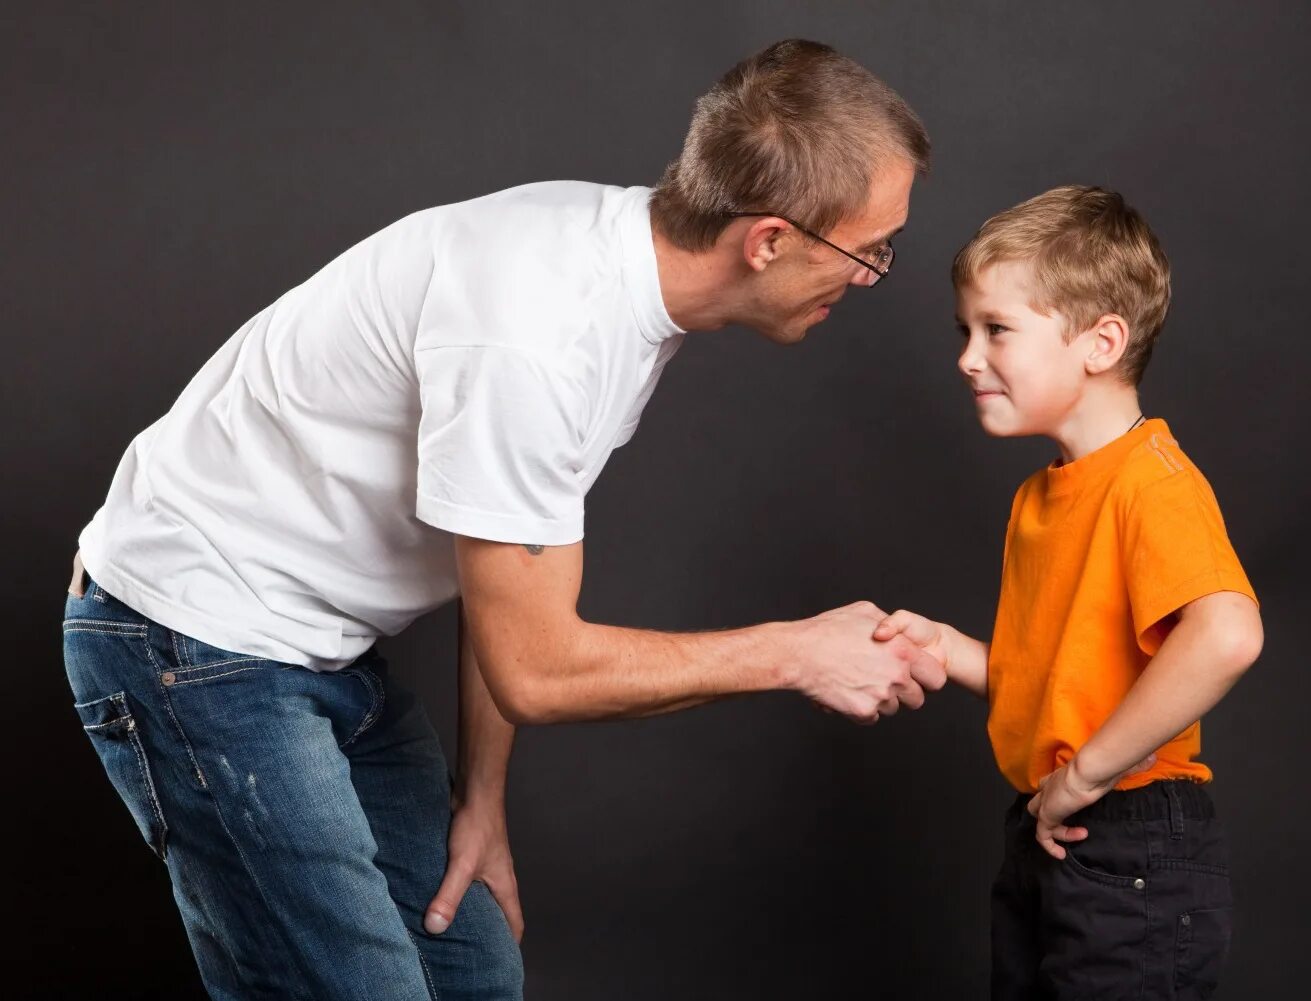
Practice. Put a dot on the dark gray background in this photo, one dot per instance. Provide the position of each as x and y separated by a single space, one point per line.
171 168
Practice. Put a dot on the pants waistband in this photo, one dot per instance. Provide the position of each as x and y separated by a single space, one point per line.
1161 800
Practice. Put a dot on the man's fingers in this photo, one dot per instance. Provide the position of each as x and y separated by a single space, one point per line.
927 672
508 900
441 912
911 695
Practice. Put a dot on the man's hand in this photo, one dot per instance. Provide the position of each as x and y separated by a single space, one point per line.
478 848
1067 791
845 669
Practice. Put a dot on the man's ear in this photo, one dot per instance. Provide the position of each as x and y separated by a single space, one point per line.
761 243
1110 338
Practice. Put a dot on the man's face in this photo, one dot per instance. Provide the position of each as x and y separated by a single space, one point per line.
1025 377
806 278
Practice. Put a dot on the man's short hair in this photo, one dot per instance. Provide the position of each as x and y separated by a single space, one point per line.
1091 254
797 129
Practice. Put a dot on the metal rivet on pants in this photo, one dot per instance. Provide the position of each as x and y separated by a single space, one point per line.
1139 883
168 678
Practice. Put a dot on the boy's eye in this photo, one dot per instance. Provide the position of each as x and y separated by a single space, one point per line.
994 329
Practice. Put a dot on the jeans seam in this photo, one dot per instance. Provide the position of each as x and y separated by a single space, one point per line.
423 965
214 801
177 726
107 627
374 684
211 677
192 668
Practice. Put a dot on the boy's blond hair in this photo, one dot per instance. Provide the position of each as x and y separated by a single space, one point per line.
1091 255
798 129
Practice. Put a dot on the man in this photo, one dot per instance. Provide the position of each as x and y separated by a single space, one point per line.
421 420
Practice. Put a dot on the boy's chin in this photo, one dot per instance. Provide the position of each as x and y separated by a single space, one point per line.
1006 429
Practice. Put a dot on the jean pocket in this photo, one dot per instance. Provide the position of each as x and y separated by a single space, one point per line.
112 728
1201 947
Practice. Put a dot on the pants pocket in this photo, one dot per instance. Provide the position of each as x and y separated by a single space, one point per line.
1201 946
1095 932
110 725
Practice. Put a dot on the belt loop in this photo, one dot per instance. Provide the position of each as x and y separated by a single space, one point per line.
1176 810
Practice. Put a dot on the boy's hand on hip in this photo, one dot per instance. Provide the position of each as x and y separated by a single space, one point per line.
1065 792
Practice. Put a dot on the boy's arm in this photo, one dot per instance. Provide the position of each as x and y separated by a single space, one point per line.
1217 638
964 658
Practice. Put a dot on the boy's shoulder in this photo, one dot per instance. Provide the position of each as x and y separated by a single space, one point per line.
1158 471
1157 457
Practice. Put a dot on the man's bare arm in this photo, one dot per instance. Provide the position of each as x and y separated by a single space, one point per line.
543 663
478 846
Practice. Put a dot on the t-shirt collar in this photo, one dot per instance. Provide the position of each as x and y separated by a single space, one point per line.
641 274
1064 477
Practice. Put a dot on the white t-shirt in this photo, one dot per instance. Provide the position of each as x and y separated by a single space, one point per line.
467 370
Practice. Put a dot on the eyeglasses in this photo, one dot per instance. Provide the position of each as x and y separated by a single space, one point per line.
879 265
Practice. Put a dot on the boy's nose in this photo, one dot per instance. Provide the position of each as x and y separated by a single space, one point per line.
971 360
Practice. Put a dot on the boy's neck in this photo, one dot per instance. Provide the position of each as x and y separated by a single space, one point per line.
1104 413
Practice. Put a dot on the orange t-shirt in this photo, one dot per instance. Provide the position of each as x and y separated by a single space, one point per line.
1099 552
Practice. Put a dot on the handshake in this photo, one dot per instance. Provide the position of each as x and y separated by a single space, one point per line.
865 664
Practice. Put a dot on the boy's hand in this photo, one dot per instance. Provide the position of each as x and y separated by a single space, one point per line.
926 634
1065 792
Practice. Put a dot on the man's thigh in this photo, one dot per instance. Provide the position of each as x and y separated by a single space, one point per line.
403 785
234 770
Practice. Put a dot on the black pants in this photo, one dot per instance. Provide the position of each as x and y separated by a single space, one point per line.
1141 909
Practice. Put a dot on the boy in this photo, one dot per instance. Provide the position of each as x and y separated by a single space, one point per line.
1124 616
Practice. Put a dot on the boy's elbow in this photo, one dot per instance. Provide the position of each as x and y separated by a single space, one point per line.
1241 640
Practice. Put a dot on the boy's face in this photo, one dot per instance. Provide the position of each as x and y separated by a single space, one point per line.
1025 377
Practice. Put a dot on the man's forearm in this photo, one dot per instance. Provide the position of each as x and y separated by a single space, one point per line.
544 664
485 738
606 672
1198 663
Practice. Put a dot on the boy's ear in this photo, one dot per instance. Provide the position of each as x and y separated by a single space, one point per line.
1110 337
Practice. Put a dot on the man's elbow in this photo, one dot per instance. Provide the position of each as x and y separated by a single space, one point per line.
522 705
528 698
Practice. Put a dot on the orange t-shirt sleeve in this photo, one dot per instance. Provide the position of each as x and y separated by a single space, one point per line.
1176 550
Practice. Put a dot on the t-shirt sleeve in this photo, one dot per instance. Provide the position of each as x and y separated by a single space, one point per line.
1176 550
500 446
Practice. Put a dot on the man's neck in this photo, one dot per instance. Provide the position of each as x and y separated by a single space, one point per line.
694 285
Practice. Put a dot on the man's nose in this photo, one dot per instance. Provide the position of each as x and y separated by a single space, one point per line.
864 277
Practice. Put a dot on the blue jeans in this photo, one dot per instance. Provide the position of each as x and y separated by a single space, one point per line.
303 817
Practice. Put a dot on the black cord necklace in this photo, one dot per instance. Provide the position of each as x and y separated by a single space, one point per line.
1141 420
